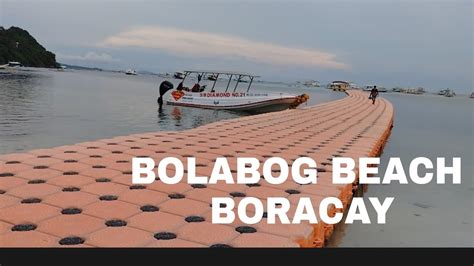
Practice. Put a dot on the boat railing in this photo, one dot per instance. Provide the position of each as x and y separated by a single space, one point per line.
216 74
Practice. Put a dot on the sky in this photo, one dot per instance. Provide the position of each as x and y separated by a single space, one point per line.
383 42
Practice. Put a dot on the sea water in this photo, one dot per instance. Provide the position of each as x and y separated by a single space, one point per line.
46 108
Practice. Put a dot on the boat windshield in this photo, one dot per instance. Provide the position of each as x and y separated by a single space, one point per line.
239 77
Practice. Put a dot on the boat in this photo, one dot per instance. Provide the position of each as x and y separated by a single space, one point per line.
339 85
131 72
447 93
229 98
212 77
10 65
450 93
241 79
472 96
311 83
178 75
420 90
442 92
354 86
61 68
14 64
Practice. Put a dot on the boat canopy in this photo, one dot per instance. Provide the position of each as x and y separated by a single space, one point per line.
340 82
230 74
220 72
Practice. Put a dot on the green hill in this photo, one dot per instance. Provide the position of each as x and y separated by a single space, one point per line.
18 45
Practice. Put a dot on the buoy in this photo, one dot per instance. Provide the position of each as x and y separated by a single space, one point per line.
299 100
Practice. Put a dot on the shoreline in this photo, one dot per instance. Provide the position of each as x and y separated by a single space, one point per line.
289 84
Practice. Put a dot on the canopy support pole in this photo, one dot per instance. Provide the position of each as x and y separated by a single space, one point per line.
250 83
237 83
215 81
228 83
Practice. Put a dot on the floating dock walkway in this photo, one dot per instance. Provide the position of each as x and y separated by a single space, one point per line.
81 195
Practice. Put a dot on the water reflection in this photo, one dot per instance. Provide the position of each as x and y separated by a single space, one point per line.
176 113
188 117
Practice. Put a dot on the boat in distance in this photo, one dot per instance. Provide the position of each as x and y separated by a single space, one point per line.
131 72
230 98
178 75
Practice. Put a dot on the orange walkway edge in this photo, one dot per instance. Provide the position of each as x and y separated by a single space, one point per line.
81 195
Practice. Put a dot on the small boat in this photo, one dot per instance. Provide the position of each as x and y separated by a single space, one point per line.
472 96
311 83
230 98
212 77
447 93
420 90
442 92
131 72
339 85
450 93
61 68
354 86
14 64
241 79
10 65
178 75
415 91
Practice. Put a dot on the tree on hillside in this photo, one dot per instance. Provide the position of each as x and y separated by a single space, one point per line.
17 44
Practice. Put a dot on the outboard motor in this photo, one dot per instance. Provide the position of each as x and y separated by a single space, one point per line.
164 87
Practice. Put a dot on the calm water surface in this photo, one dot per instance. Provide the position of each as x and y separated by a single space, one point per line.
423 215
42 108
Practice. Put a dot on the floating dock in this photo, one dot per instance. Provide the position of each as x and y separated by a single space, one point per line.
81 195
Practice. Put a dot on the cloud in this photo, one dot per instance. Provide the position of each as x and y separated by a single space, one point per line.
89 56
199 44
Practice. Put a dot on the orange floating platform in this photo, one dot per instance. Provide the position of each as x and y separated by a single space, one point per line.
81 195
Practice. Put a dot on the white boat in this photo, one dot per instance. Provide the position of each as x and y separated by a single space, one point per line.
212 77
311 83
230 98
447 93
450 93
10 65
339 85
415 91
354 86
178 75
420 90
14 64
241 79
442 92
131 72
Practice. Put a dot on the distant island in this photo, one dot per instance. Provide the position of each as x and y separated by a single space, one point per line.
18 45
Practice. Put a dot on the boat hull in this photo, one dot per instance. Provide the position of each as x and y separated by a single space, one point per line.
246 102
